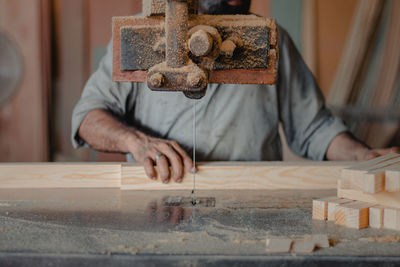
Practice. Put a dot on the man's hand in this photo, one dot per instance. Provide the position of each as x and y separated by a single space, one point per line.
154 151
346 147
105 133
373 153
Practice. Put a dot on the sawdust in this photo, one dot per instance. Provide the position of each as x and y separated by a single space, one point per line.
231 20
244 241
386 239
122 249
176 28
157 7
7 205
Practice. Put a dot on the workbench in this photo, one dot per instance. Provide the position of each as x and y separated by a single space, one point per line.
102 227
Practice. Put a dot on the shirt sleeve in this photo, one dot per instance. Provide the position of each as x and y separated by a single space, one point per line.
101 92
308 125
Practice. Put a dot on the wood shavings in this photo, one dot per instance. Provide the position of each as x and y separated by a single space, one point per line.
7 205
386 239
122 249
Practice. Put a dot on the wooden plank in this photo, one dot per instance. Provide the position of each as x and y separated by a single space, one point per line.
242 175
392 180
309 35
353 215
332 37
360 35
391 218
24 118
369 176
378 134
332 206
211 175
389 199
320 208
60 175
376 216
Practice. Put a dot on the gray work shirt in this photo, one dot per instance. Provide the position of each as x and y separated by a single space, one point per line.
234 122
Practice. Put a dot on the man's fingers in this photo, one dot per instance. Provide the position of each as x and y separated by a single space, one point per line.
384 151
380 152
149 169
371 155
187 161
396 149
163 169
175 160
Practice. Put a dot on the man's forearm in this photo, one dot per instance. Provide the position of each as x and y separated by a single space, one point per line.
104 132
345 147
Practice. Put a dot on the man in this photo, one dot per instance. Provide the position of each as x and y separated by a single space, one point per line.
234 122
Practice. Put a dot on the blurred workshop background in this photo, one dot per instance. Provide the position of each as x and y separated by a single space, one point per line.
49 48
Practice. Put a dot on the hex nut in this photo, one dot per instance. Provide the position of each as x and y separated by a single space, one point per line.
194 80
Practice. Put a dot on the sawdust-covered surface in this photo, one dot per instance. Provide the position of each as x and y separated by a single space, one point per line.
107 222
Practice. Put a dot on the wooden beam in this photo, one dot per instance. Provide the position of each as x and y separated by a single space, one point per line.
242 175
211 176
369 176
60 175
320 208
392 182
353 215
389 199
376 216
391 218
332 206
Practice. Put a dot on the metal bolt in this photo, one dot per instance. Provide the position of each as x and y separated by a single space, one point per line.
156 80
200 43
228 48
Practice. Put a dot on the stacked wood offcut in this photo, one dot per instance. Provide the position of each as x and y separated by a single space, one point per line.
368 195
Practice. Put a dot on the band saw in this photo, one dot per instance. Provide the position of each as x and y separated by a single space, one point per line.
172 48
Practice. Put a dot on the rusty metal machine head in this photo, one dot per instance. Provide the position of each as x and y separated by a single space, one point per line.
173 49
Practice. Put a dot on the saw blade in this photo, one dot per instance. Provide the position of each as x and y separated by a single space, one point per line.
194 201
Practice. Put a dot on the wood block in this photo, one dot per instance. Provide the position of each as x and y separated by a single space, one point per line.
321 241
391 218
279 245
369 176
242 176
332 205
376 216
392 182
60 175
353 215
387 199
306 245
320 208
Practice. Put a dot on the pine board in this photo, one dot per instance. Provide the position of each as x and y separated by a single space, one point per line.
243 176
60 175
211 176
